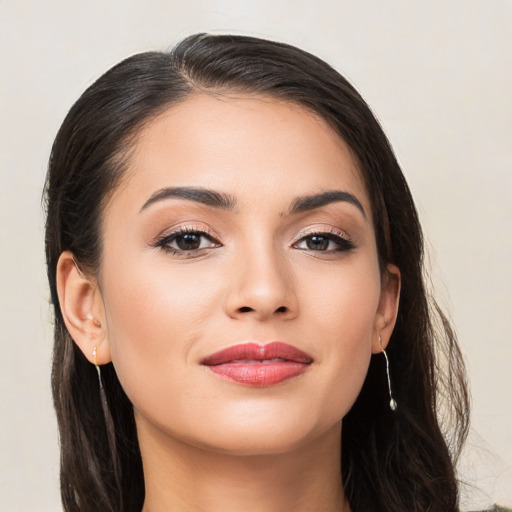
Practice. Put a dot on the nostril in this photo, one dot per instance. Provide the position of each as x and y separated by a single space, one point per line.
247 309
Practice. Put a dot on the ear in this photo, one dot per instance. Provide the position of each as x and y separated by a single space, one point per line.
388 308
82 308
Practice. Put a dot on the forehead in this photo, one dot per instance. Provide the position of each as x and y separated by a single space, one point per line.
240 144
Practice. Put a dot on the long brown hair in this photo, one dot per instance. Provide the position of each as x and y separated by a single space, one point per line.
393 461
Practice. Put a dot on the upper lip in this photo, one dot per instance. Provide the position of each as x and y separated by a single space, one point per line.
252 351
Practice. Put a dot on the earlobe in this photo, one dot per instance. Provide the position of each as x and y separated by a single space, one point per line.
388 308
82 309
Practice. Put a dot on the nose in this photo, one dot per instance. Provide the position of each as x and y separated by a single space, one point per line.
261 286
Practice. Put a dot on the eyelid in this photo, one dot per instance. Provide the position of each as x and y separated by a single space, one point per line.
184 229
342 241
322 231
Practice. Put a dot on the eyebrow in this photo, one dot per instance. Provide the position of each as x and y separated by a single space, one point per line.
198 194
310 202
227 202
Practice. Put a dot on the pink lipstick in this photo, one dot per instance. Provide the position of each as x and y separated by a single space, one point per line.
258 365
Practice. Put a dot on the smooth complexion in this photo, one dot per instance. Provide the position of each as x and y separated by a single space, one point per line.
240 220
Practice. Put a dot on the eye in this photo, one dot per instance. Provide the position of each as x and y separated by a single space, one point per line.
185 241
330 241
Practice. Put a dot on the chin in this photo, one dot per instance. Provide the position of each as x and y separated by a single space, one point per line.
271 437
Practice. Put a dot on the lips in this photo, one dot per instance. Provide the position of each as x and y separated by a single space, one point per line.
258 365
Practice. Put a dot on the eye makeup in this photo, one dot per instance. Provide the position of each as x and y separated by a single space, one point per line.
324 240
187 241
192 241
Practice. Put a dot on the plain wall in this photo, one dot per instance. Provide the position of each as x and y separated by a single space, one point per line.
438 74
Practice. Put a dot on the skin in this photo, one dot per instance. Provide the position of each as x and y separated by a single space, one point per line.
209 444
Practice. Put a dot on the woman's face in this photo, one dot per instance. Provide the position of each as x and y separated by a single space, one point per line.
242 222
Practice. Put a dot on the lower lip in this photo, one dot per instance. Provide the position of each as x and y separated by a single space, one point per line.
259 374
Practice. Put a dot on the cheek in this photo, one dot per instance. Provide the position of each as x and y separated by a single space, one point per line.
155 316
342 319
343 303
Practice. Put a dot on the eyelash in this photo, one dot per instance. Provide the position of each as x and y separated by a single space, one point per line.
343 242
164 241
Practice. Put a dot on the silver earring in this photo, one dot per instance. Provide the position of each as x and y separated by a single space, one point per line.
97 368
103 396
392 402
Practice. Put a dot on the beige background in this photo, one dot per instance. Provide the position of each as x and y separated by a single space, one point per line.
437 73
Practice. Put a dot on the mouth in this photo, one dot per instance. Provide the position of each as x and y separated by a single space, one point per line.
258 365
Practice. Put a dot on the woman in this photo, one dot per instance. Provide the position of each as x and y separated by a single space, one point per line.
241 320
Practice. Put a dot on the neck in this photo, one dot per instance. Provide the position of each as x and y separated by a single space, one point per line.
182 477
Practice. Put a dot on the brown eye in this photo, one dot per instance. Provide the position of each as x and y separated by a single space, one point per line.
324 242
188 241
317 243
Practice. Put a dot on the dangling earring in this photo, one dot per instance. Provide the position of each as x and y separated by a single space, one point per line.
97 369
103 396
392 402
109 423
